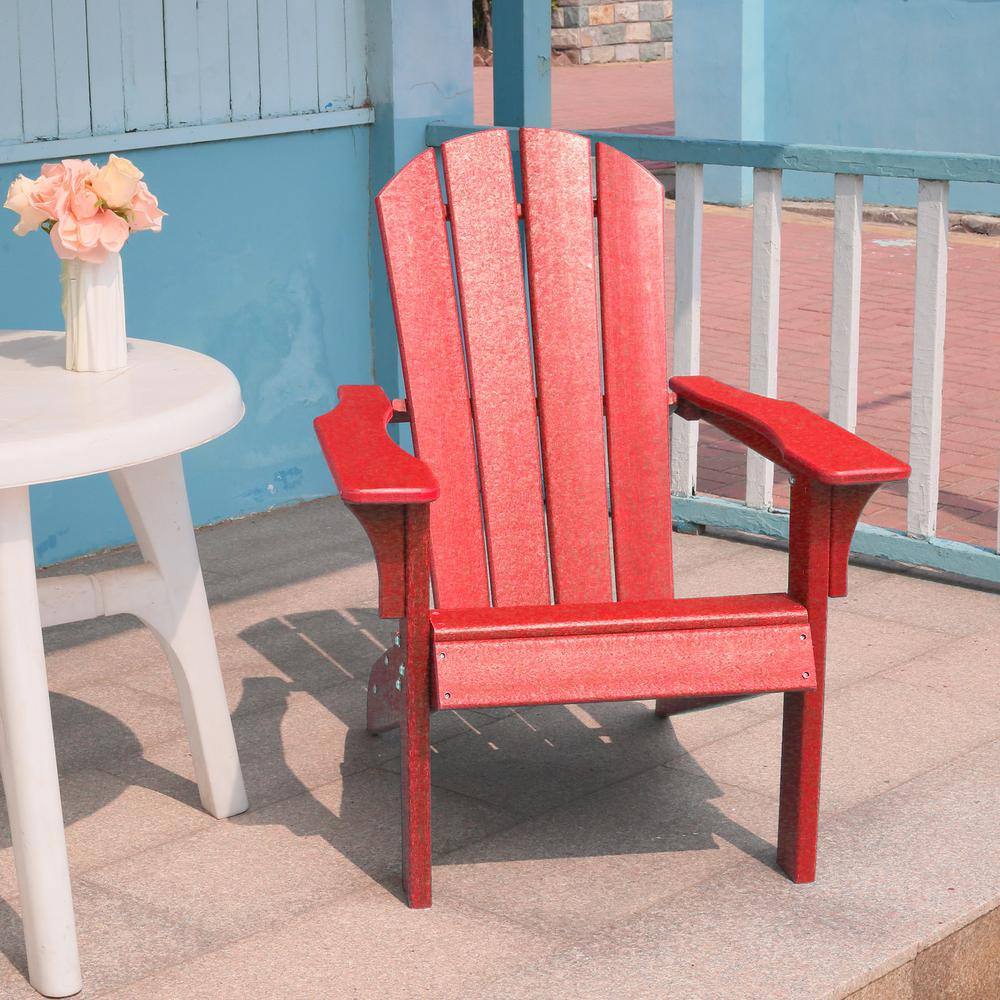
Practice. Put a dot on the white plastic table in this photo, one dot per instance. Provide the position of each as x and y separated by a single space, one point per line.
133 424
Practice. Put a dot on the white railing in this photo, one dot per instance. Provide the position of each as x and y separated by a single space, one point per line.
933 172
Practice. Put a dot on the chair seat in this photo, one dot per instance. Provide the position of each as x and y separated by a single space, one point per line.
567 653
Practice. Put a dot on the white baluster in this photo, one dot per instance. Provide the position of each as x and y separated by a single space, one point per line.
687 317
928 357
845 321
764 299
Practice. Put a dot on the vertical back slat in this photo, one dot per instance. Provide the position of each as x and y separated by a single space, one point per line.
562 280
414 237
764 301
845 317
687 317
331 54
928 357
486 238
631 239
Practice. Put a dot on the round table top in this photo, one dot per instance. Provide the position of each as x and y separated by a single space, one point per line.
56 424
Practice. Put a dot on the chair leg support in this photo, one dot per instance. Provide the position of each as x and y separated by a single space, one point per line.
385 698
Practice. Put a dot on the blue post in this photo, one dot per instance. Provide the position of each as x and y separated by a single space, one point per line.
419 71
719 82
522 62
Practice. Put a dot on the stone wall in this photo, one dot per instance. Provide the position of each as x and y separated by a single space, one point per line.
604 31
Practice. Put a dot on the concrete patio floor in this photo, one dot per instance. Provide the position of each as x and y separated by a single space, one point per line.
588 851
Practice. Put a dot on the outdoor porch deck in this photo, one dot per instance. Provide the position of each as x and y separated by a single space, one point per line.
584 852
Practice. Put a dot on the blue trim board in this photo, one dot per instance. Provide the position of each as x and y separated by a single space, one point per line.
779 156
880 543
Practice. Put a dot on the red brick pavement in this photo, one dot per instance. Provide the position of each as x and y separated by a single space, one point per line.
639 97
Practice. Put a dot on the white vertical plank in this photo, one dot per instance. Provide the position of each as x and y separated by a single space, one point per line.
244 64
928 357
213 59
180 36
104 48
38 71
303 83
69 27
764 301
331 55
143 68
10 74
356 61
687 317
845 320
272 33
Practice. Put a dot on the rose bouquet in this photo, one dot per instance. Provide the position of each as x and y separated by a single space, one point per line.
89 212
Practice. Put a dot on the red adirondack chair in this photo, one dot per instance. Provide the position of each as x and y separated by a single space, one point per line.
523 433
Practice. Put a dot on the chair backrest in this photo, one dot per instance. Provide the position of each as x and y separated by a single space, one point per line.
530 427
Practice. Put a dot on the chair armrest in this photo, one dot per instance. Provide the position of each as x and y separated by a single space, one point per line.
367 465
790 435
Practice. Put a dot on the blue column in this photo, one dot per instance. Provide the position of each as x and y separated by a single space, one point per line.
522 62
419 71
719 82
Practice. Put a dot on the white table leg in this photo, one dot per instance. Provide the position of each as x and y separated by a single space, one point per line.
30 779
156 502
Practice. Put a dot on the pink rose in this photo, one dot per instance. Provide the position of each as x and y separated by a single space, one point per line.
21 199
144 212
64 184
90 239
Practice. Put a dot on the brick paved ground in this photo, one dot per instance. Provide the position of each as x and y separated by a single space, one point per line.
640 98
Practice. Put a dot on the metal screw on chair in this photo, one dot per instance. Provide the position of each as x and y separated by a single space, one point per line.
447 696
374 689
399 685
395 639
805 675
440 656
803 637
402 669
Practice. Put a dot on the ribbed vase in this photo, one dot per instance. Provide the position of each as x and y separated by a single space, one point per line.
93 305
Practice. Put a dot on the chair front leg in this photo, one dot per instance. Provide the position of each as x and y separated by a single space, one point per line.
416 711
802 727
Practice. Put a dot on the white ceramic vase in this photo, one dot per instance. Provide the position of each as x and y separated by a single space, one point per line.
93 305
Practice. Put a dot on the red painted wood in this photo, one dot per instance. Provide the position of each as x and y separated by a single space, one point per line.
548 620
384 526
482 207
846 506
631 237
802 728
801 441
385 699
367 465
415 240
415 730
686 663
559 236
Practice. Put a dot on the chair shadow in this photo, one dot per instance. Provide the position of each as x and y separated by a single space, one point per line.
366 828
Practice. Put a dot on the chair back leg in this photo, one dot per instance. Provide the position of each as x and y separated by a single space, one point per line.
416 715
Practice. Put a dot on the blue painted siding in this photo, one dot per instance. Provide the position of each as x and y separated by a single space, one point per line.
900 74
262 264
